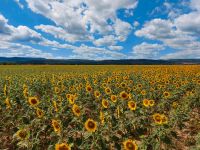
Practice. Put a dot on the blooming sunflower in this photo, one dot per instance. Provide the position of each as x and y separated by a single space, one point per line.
113 98
33 101
39 113
157 118
22 134
108 91
132 105
56 126
88 88
146 102
62 146
164 119
76 110
105 103
124 95
7 102
97 94
151 102
90 125
130 145
166 94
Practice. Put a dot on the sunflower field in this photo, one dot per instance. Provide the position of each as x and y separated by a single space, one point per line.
100 107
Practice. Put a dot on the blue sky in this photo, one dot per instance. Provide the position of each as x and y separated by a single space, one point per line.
87 29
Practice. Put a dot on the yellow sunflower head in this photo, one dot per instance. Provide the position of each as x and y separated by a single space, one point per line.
166 94
76 110
39 113
108 91
22 134
157 118
62 146
146 102
151 102
90 125
164 119
132 105
88 88
113 98
97 94
105 103
130 145
56 126
33 101
124 95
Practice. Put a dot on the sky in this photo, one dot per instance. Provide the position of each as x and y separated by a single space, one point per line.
103 29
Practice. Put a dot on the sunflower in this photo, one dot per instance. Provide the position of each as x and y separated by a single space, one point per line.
97 94
39 113
157 118
105 103
7 102
146 102
76 110
113 98
166 94
151 102
22 134
57 90
88 88
108 91
164 119
124 95
68 96
123 85
198 82
56 126
62 146
132 105
130 145
33 101
143 92
90 125
55 106
102 117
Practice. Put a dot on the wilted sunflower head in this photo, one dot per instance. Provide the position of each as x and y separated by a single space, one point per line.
124 95
90 125
62 146
130 145
132 105
33 101
76 110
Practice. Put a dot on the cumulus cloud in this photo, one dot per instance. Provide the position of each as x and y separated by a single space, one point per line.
81 19
9 49
146 50
180 34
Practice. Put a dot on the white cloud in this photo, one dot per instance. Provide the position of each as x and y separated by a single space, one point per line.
8 49
106 40
117 48
19 4
82 18
146 50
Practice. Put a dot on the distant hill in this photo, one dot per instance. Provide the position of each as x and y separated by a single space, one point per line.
27 60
